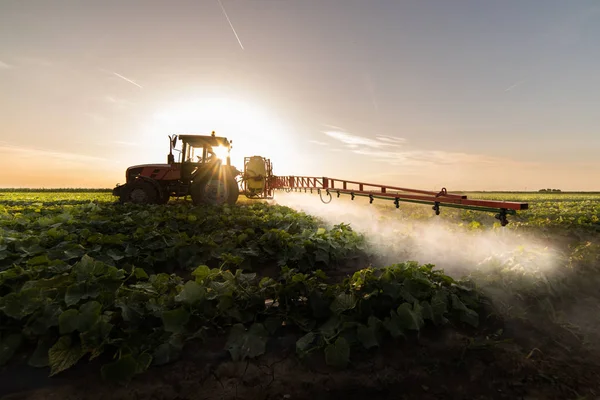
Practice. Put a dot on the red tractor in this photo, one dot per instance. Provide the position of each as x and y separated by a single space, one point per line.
203 171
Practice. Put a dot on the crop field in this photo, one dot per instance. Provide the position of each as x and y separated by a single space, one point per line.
293 299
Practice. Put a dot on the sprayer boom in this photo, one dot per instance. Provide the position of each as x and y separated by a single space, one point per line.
396 194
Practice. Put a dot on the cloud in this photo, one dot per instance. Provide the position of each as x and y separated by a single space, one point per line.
43 154
4 65
353 141
318 142
391 139
393 151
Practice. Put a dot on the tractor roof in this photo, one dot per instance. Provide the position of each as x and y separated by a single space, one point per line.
202 140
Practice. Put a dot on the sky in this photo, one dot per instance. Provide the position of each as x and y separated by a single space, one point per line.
467 95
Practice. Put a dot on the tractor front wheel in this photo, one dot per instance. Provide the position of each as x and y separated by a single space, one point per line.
140 192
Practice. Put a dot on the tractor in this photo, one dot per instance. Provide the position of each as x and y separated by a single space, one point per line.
203 170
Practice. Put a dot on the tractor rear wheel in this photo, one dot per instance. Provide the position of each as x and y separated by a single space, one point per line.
215 191
140 192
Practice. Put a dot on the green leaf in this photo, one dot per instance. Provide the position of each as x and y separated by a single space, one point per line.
175 320
45 319
165 353
192 293
427 311
39 358
68 321
330 328
140 273
409 318
467 315
88 315
38 260
8 346
201 273
305 343
394 325
115 255
367 336
63 355
73 294
342 303
338 353
251 344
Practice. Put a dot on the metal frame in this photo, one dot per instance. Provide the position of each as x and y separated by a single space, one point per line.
396 194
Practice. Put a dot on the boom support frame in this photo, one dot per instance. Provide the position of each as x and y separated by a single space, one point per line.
394 193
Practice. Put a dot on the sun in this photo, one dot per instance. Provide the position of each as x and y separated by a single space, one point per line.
251 128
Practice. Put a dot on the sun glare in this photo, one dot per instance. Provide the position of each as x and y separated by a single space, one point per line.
221 152
250 128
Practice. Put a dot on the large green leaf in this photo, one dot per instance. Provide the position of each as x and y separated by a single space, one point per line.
467 315
192 293
410 318
63 355
305 343
338 354
343 302
175 320
243 344
367 336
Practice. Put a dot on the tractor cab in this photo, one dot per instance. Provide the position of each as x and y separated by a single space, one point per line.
199 149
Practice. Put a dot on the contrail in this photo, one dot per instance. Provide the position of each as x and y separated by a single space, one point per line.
4 65
128 80
230 24
508 89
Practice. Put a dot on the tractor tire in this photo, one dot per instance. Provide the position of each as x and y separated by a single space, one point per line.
234 192
140 192
215 191
163 197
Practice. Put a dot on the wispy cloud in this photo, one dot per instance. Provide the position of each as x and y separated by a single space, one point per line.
393 151
391 139
45 154
318 142
128 80
4 65
353 141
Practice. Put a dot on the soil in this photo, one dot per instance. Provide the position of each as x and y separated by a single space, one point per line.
446 364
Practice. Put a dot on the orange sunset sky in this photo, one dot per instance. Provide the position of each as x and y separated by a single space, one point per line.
469 95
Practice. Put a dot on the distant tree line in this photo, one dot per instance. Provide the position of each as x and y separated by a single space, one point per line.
550 190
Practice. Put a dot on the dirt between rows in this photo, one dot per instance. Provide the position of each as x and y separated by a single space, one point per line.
438 365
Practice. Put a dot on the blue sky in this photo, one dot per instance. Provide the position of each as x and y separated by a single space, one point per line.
462 94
